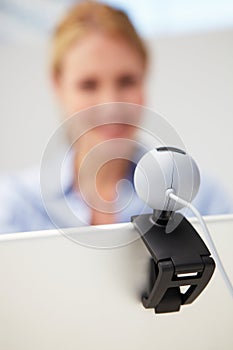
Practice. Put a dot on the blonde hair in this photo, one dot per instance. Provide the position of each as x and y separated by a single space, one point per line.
89 16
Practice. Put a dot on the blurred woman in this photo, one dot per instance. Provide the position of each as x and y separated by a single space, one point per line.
97 57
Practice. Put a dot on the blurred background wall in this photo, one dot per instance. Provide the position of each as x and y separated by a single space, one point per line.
190 80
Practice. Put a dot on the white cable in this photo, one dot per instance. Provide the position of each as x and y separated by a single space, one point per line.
208 238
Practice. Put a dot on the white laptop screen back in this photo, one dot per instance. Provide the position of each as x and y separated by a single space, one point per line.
58 294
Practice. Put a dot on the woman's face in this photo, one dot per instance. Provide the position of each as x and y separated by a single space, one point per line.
100 69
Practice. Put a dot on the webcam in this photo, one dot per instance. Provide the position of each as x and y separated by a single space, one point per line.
167 179
164 169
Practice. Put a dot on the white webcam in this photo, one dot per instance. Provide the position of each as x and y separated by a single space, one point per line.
166 179
165 169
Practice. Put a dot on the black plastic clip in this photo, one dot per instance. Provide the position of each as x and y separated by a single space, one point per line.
179 258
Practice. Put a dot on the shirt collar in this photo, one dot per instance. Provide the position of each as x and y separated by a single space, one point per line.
67 170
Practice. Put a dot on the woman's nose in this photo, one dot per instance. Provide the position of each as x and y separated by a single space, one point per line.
110 94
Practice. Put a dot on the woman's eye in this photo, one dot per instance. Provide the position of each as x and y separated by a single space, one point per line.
87 85
127 80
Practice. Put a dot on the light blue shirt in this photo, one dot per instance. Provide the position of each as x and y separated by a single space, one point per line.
28 204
